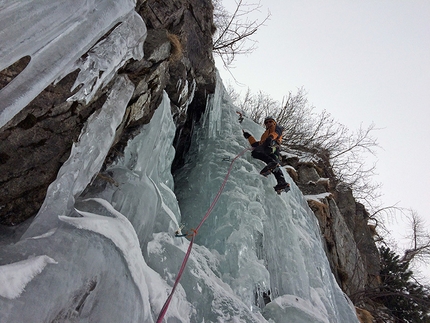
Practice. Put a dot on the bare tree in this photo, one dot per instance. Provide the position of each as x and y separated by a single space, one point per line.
419 238
382 215
256 106
234 30
348 154
302 126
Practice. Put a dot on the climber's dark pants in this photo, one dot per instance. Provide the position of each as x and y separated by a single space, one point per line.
261 152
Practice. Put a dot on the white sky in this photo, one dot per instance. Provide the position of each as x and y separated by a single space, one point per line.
362 61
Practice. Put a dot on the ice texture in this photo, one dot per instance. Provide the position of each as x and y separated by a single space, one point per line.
85 160
265 244
101 275
55 35
103 60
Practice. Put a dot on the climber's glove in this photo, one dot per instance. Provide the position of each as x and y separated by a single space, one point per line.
246 134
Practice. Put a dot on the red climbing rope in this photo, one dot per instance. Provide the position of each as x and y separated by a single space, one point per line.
181 270
187 255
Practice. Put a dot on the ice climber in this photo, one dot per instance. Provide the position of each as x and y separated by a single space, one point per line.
267 150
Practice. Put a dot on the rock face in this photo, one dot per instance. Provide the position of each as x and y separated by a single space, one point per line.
33 148
178 59
349 242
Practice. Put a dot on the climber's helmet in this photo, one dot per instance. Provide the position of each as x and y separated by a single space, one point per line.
269 118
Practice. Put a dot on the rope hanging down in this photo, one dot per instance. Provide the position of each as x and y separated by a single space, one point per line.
187 255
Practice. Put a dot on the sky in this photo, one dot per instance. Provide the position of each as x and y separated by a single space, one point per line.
364 62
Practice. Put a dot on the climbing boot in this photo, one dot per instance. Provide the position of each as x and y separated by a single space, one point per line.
282 187
278 175
282 184
269 169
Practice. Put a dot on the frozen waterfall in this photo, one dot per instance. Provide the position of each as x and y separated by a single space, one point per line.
113 256
102 247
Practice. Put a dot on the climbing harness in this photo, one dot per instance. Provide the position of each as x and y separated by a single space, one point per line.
193 235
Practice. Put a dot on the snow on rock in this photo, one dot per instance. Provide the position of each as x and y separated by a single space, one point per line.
318 197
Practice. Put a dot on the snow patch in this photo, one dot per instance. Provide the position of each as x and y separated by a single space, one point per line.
14 277
301 310
318 197
45 235
290 167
